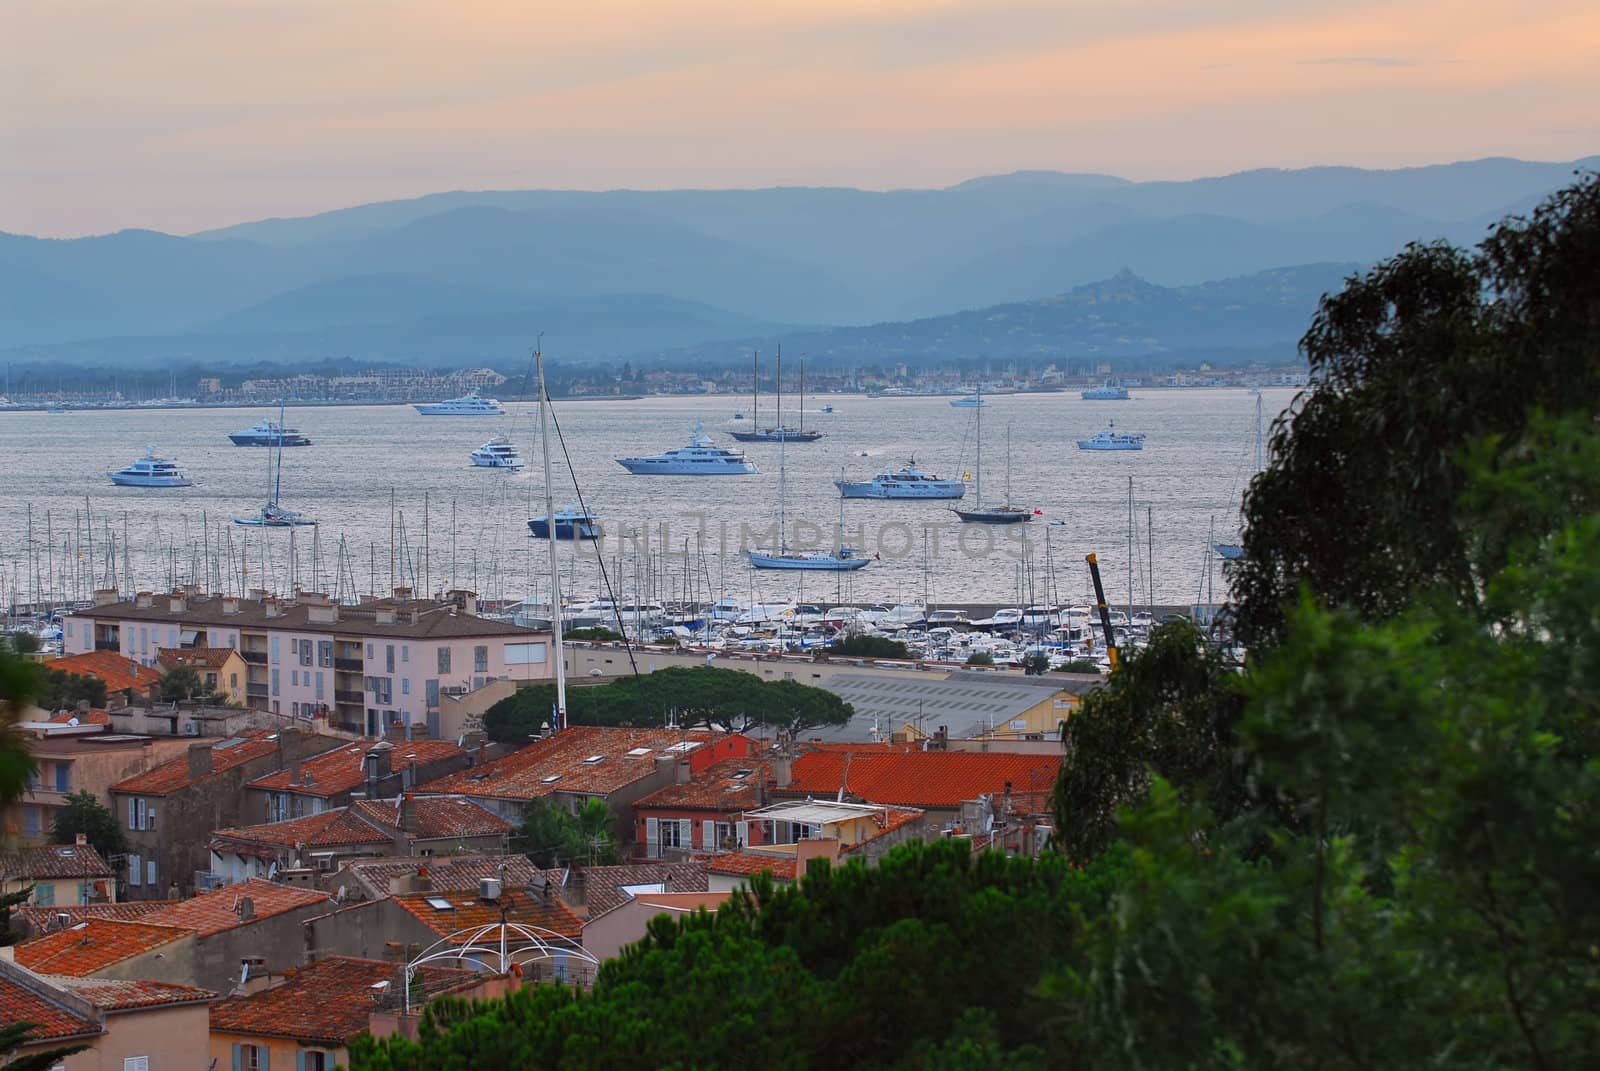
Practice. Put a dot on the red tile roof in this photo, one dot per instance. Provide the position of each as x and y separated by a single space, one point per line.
20 1004
604 887
214 912
327 1002
560 763
340 770
450 873
438 817
50 861
369 822
109 666
333 828
118 995
40 919
718 788
920 778
92 946
203 657
467 912
80 717
749 864
173 776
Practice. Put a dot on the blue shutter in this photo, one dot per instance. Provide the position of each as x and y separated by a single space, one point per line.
264 1055
299 1060
237 1060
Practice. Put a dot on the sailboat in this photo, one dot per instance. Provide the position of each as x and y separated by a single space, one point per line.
273 515
843 559
1233 551
778 433
1006 514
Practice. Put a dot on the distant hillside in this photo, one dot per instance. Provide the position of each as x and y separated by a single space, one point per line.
1125 319
781 255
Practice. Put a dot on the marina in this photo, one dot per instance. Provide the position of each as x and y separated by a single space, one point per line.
396 504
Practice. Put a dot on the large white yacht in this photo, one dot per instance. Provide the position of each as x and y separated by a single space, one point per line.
469 404
701 457
906 482
1112 439
497 453
151 471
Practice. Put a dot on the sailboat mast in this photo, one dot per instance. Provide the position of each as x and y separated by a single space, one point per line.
802 392
783 470
755 389
980 446
1008 464
1130 546
277 482
1258 431
779 390
555 554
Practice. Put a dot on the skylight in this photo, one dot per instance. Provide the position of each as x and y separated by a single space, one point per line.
592 759
636 752
552 779
439 903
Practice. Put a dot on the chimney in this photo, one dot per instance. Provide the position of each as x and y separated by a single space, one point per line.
177 602
408 815
294 773
378 763
782 771
271 607
199 761
384 615
230 604
257 594
144 600
465 601
246 909
402 593
105 596
322 613
81 840
424 880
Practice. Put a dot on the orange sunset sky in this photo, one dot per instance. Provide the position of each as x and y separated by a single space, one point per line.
184 115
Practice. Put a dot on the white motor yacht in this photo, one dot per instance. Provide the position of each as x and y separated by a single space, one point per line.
498 453
151 471
469 404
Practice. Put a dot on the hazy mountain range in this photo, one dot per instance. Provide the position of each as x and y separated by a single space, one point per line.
469 277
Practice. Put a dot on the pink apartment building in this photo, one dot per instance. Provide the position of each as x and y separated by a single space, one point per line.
365 667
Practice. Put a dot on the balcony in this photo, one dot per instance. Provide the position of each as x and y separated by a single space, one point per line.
257 657
340 695
112 644
254 689
349 665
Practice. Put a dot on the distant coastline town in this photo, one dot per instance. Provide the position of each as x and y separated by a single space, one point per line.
396 386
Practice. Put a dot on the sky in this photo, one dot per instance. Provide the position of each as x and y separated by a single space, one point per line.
179 116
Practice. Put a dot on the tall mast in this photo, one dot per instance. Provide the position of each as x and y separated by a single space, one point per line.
277 482
783 469
980 445
555 544
1130 546
755 389
779 390
1008 464
802 392
1258 431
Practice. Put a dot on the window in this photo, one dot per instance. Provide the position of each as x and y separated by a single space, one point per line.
313 1061
249 1057
61 776
669 835
444 660
369 652
405 652
480 659
305 652
294 682
274 680
405 685
724 836
135 869
524 654
325 653
136 1063
138 813
319 685
149 871
44 894
432 687
233 682
273 645
388 658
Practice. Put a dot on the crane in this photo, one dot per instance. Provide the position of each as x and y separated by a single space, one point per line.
1105 614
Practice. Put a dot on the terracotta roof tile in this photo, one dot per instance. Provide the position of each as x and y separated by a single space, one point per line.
719 788
332 828
749 864
340 770
559 763
115 994
20 1004
109 666
451 873
438 817
96 716
214 912
467 912
603 885
94 945
920 778
40 919
199 657
54 861
173 776
327 1002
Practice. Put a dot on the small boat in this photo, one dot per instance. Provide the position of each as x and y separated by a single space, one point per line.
269 433
151 471
1229 551
827 409
906 482
971 401
273 515
497 453
1106 392
738 416
571 523
469 404
701 457
1112 439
